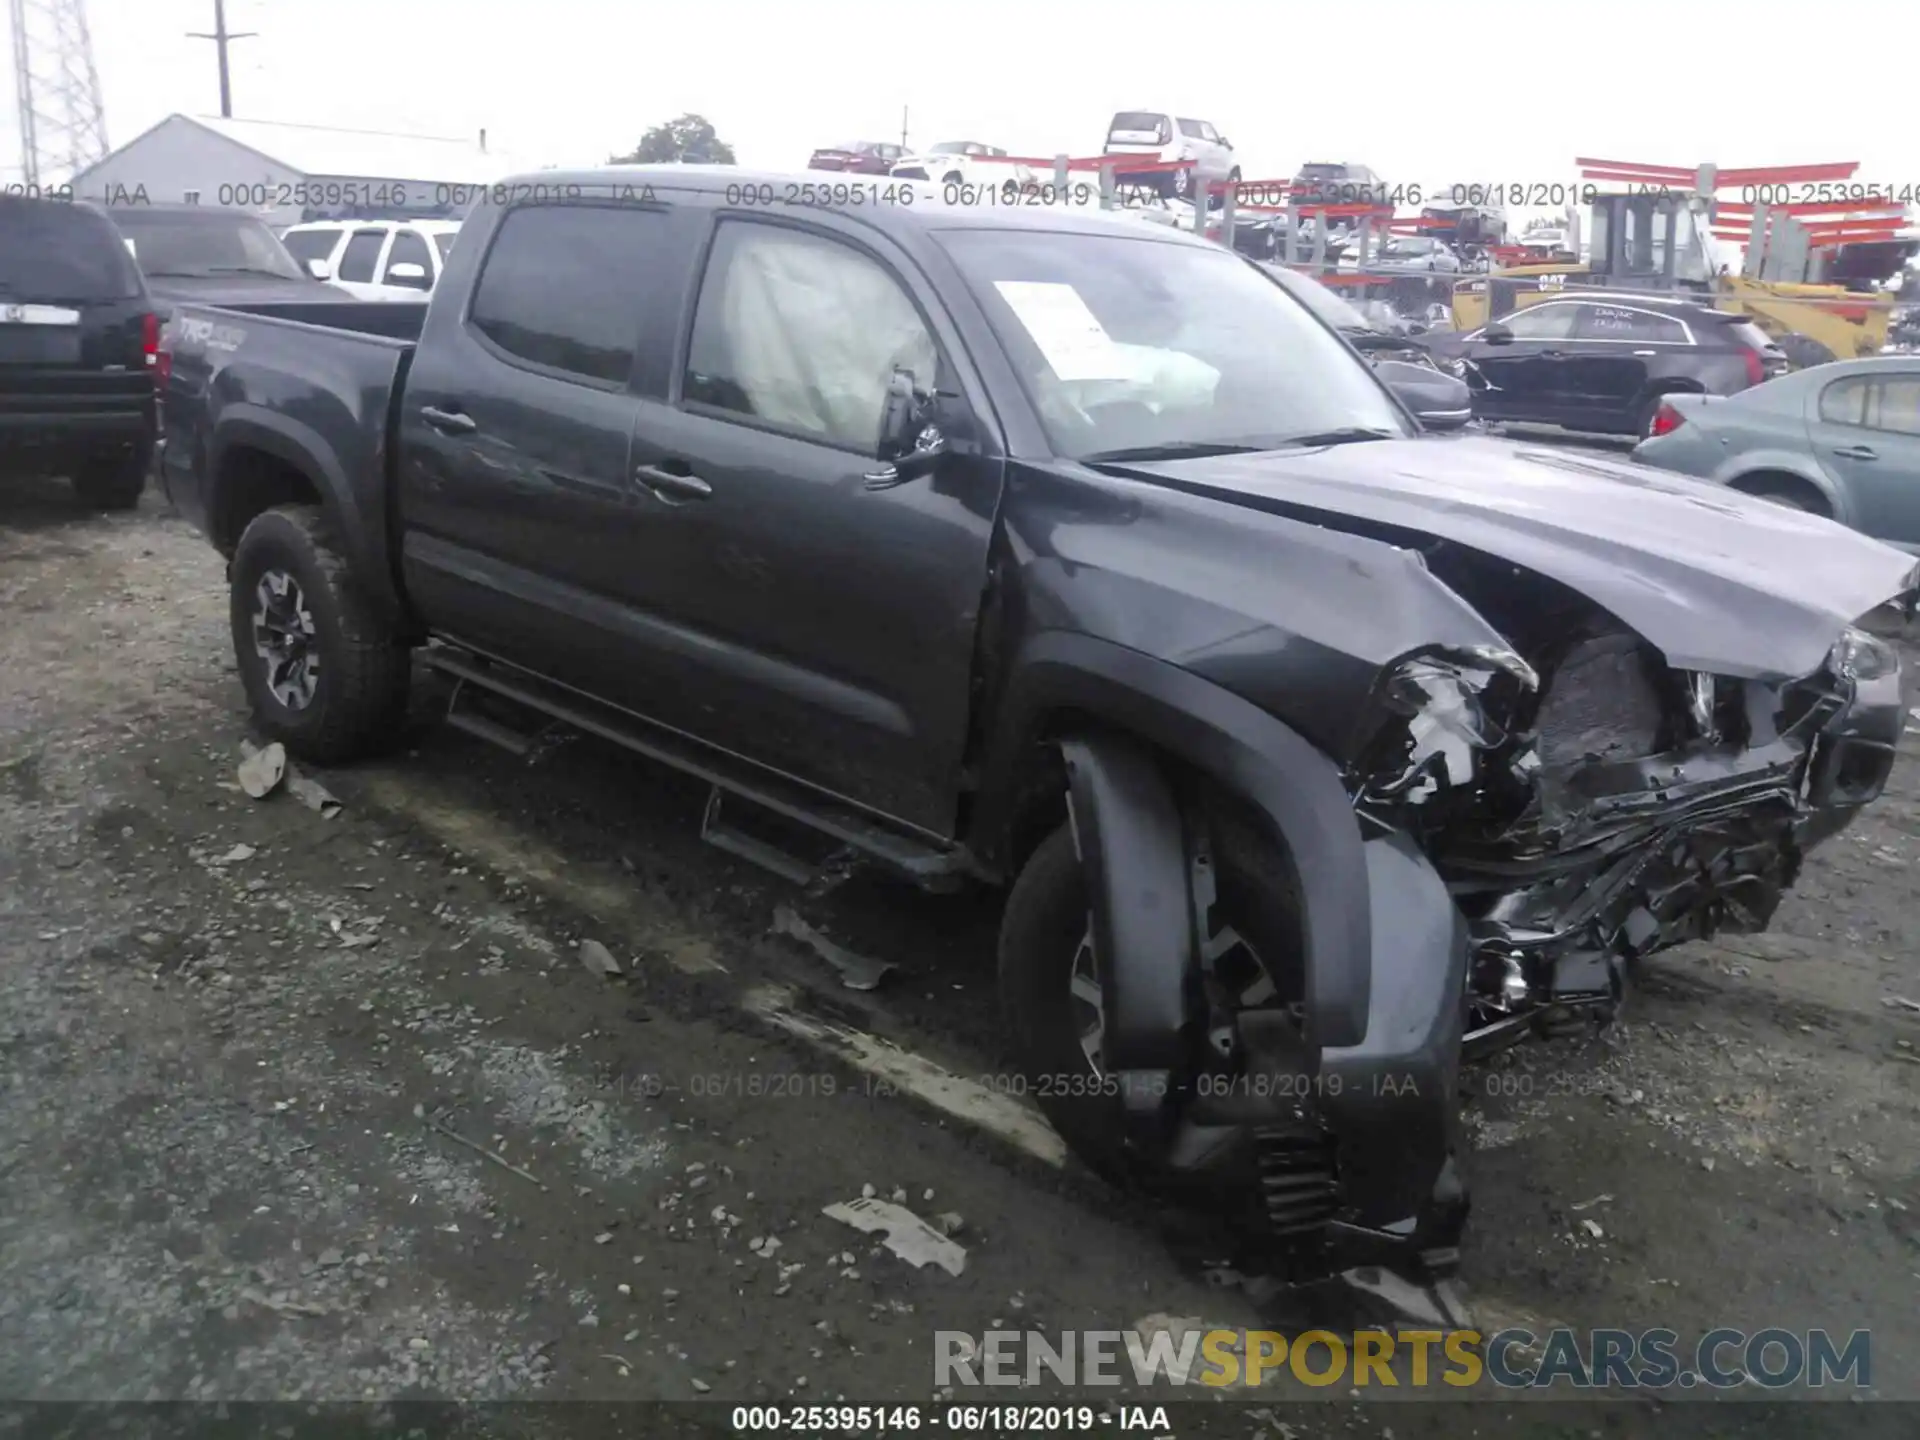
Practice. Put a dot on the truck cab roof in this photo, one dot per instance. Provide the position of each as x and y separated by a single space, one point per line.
730 184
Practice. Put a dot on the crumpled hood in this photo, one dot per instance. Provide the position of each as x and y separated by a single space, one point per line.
1715 580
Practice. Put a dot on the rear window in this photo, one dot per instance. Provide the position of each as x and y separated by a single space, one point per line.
52 251
1141 122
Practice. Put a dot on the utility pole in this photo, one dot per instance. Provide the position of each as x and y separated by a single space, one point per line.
222 37
903 127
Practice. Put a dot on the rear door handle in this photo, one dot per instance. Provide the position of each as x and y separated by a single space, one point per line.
452 422
1646 352
680 487
1855 452
1553 354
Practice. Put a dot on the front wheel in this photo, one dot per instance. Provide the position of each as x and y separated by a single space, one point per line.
326 674
1051 998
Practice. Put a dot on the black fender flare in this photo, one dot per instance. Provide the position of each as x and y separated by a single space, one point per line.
1238 745
361 537
1128 832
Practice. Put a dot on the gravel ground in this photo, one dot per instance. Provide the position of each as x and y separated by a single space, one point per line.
329 1109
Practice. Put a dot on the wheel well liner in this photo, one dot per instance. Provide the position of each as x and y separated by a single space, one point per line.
259 459
1058 676
1762 482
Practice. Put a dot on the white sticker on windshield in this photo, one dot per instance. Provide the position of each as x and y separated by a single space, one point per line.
1067 332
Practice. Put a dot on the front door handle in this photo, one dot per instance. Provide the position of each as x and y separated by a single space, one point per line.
1553 354
680 487
452 422
1855 452
1646 352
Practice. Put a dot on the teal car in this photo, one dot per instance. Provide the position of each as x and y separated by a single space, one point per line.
1841 440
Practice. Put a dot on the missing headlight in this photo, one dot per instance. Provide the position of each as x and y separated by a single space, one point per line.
1859 656
1443 697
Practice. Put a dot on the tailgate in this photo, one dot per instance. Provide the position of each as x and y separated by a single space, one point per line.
72 363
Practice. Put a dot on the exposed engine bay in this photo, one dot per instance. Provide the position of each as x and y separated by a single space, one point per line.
1588 804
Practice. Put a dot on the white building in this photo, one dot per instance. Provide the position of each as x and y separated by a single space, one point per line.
289 173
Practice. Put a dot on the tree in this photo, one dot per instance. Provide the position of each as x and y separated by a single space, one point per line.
690 140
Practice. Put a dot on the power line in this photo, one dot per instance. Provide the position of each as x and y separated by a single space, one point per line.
222 37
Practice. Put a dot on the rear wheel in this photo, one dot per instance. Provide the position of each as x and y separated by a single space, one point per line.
1051 998
326 674
115 484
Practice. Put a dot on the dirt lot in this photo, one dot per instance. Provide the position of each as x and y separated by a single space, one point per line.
329 1108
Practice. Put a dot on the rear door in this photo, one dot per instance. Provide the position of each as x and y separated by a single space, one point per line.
1865 430
74 368
523 523
1615 352
407 248
358 268
824 628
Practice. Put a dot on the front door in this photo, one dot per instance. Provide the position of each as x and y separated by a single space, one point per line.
823 626
1521 378
1865 430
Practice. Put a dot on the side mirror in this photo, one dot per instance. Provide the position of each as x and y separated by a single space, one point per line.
911 441
319 269
406 273
1496 334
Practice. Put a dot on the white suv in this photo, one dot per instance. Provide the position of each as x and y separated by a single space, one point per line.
375 259
1173 138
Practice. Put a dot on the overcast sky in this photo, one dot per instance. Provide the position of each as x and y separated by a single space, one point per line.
1422 92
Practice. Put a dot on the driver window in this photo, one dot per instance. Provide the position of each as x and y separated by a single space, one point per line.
803 333
1543 322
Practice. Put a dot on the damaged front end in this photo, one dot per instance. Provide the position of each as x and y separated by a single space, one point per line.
1587 804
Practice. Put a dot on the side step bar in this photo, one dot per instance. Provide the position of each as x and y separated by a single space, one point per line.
921 861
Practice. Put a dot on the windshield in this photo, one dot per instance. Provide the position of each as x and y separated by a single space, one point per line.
1127 344
962 147
200 244
1334 309
51 251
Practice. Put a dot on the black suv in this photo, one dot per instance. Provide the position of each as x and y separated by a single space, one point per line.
1598 362
78 345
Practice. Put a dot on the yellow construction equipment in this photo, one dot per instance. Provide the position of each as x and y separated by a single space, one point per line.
1650 229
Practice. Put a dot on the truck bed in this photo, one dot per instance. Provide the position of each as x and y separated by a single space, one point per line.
393 320
313 378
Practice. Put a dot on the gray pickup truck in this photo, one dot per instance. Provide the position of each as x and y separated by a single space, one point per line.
1045 550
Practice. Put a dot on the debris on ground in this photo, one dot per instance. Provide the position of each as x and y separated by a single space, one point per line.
312 794
263 769
1593 1228
237 855
857 972
1900 1002
597 958
908 1236
1589 1204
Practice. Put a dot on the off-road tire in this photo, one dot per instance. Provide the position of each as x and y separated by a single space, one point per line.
360 698
112 484
1040 930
